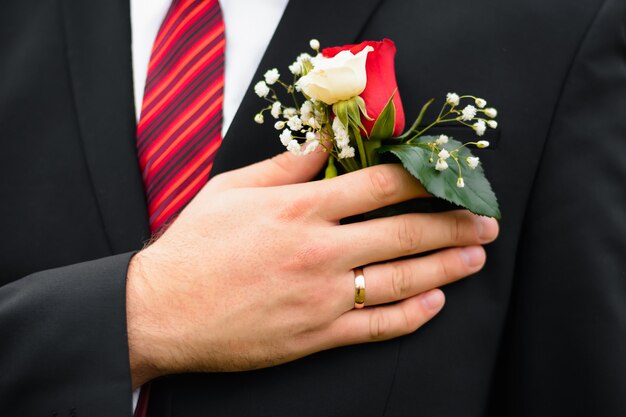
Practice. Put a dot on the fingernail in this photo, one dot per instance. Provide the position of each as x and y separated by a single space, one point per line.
482 227
472 256
432 300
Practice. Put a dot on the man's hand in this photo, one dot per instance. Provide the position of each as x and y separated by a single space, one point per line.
257 270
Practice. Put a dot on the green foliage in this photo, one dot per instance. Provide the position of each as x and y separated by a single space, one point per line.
386 122
419 159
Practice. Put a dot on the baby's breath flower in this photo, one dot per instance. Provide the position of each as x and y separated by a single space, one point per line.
468 113
261 89
441 140
481 103
453 99
294 147
276 109
480 127
482 144
294 123
472 161
314 123
310 136
460 183
295 69
259 118
491 112
443 155
279 125
272 76
311 147
314 44
285 137
347 152
290 112
441 165
492 124
306 110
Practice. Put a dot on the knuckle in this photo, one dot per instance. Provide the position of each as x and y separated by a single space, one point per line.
408 237
309 256
383 186
400 280
457 227
379 325
219 181
443 268
294 209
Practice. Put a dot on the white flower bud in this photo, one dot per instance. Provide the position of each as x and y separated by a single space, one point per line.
472 161
314 123
482 144
480 127
347 152
280 125
272 76
441 165
285 137
314 44
468 113
310 136
294 147
310 147
443 155
276 109
259 118
294 123
290 112
441 140
491 112
261 89
453 99
481 103
492 124
295 69
460 183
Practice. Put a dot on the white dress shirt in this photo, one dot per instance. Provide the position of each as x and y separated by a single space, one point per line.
250 25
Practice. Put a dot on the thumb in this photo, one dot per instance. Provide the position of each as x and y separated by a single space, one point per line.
282 169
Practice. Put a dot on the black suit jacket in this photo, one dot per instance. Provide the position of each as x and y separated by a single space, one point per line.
541 331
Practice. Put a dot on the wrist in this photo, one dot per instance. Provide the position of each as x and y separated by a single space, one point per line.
145 338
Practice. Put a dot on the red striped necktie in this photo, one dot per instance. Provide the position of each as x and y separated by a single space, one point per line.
179 130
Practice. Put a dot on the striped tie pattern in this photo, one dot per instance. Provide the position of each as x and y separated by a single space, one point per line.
179 130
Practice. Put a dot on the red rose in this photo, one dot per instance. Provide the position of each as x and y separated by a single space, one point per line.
381 80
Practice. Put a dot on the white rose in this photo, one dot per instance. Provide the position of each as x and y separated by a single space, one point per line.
341 77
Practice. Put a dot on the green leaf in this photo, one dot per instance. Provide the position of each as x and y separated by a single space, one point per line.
340 109
386 121
477 195
362 107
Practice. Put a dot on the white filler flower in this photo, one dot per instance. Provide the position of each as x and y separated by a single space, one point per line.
261 89
272 76
472 161
341 77
453 99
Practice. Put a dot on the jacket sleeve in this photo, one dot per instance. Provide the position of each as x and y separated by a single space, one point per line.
64 347
566 344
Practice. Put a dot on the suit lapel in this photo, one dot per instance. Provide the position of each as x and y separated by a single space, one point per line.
99 54
333 23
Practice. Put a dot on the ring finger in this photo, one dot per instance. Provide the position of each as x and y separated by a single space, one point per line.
397 280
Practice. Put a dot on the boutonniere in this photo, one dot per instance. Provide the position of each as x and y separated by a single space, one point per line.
345 101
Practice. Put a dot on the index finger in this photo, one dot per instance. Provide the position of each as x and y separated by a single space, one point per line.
365 190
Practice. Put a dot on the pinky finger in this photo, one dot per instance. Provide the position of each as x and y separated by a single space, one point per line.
384 322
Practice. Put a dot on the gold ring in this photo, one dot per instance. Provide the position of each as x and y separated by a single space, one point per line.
359 288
